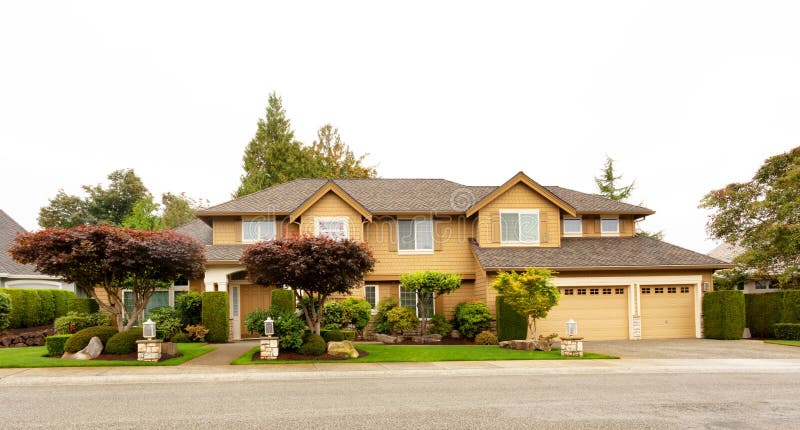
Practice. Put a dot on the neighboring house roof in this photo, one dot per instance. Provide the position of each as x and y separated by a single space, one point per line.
396 196
224 253
726 252
8 230
197 230
596 253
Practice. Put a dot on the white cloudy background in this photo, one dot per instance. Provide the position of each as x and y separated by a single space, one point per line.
686 96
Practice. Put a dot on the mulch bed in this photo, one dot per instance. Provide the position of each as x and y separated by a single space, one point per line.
294 356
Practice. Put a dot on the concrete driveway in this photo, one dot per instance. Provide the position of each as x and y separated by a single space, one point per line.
691 348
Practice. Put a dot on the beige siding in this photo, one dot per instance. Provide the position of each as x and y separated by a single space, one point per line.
591 225
332 205
227 230
520 196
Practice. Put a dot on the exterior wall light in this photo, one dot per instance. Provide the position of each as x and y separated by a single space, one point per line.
149 329
269 327
572 328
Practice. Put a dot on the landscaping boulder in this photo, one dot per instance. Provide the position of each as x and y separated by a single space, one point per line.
343 349
542 345
385 338
455 334
92 350
505 344
525 345
429 338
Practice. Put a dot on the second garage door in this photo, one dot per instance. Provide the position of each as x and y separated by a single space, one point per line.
601 313
667 312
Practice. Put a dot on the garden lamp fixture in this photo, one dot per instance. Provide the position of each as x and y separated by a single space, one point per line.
269 327
149 329
572 328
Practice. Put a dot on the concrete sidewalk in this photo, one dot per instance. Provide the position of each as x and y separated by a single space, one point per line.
327 371
224 354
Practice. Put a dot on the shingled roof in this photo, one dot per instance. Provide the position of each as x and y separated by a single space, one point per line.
8 230
197 230
390 196
596 253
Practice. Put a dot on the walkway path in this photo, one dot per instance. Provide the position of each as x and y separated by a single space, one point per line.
224 354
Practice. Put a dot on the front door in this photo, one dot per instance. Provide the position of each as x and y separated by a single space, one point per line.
252 297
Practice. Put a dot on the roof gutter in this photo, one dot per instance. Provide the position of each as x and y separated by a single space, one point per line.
591 268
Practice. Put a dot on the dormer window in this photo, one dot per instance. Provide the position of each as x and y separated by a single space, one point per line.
257 229
519 227
573 227
336 228
609 226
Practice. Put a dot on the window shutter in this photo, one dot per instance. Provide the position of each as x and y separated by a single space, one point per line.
438 235
494 227
391 235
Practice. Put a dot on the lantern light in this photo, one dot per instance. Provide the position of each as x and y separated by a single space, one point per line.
149 329
572 328
269 327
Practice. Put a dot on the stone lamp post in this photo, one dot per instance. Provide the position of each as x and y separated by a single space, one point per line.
269 343
149 349
572 345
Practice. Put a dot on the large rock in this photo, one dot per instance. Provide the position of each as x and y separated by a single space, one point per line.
92 350
524 345
343 349
385 338
430 338
543 345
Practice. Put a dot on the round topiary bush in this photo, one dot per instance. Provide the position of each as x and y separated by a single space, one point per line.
79 340
123 342
55 344
486 338
332 335
313 344
472 318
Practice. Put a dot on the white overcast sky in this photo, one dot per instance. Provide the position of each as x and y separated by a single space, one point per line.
686 96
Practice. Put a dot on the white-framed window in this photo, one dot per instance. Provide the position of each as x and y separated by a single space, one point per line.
371 296
410 299
256 229
765 284
609 225
336 228
519 227
573 226
415 235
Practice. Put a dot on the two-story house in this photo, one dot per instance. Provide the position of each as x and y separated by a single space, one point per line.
617 285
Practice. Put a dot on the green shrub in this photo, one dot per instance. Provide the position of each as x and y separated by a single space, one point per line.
55 344
787 331
332 314
401 319
32 308
381 324
790 312
472 318
180 337
215 316
510 324
486 338
47 307
723 314
168 321
5 311
283 299
254 321
763 311
439 325
79 340
17 308
61 299
313 344
190 308
289 328
82 305
351 312
74 322
338 335
123 342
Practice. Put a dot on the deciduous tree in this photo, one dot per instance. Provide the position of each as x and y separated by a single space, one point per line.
763 216
427 285
314 267
112 259
530 293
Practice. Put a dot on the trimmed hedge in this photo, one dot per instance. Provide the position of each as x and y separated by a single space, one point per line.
55 344
61 300
510 324
215 316
82 305
790 311
787 331
123 342
33 308
47 306
79 340
763 311
283 299
313 344
723 314
190 308
338 335
5 311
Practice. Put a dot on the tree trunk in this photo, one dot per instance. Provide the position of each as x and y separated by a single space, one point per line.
532 327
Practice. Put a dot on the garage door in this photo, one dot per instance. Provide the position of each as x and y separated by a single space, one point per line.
252 297
601 313
667 312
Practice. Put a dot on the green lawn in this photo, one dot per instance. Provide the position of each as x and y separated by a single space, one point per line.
394 353
33 356
784 342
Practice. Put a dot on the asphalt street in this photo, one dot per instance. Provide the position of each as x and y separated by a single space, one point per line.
481 399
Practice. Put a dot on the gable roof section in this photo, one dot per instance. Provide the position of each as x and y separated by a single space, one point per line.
524 179
8 230
330 187
280 199
634 252
726 252
197 230
585 203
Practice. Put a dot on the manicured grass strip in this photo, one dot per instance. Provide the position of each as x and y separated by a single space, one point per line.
33 356
784 342
399 354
